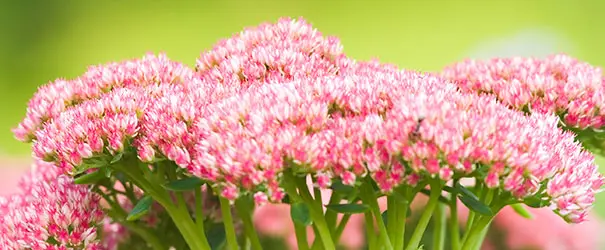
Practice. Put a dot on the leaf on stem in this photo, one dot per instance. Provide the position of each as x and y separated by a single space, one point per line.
300 214
216 235
140 209
117 157
343 189
93 162
536 202
352 208
520 209
463 191
185 184
476 205
90 178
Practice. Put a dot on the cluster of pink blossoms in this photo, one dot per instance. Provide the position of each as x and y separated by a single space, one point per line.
557 84
281 96
50 212
271 53
350 126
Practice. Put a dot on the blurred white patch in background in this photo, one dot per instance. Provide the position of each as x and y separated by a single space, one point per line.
533 42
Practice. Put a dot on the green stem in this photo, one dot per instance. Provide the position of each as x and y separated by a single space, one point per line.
439 227
481 238
301 237
426 215
479 191
476 233
117 213
454 227
331 216
245 207
289 185
402 213
392 214
370 232
199 210
195 239
228 222
368 197
316 215
341 227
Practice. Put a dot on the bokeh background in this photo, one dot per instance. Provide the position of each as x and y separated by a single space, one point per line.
43 40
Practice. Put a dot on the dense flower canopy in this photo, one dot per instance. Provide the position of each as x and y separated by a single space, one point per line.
557 84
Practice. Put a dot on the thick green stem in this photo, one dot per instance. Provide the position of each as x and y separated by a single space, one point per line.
341 227
245 207
228 222
331 216
479 191
439 221
316 215
301 237
289 185
426 215
392 213
475 234
199 210
402 213
117 213
182 219
368 197
370 232
454 227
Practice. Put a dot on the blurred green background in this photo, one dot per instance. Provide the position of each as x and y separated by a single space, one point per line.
43 40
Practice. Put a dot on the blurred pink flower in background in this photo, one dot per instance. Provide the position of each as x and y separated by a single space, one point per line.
547 231
10 172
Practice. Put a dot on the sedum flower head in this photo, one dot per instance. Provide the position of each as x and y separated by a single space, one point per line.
271 52
50 213
557 84
56 97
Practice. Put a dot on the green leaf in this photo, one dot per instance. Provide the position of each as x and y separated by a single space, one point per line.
535 202
520 209
385 217
90 178
476 205
300 214
117 157
91 163
216 236
338 187
185 184
140 209
286 199
463 191
352 208
108 172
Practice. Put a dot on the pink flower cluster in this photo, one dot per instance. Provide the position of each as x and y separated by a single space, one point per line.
347 127
286 50
281 96
557 84
53 99
50 212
